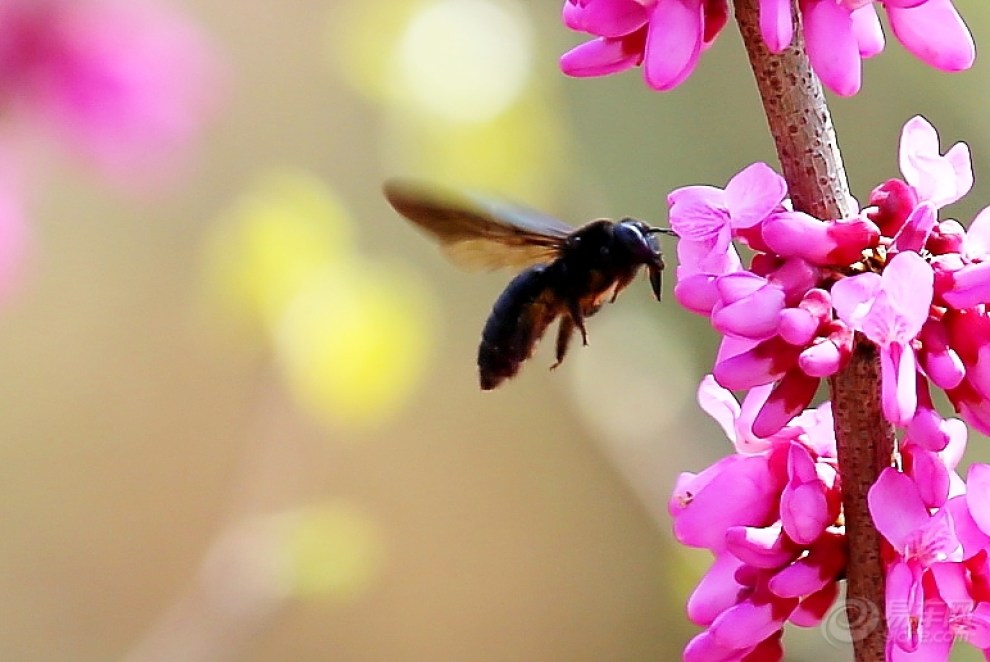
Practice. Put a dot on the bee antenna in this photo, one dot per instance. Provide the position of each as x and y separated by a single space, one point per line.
666 231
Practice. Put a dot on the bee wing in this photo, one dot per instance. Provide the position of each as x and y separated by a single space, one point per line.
478 232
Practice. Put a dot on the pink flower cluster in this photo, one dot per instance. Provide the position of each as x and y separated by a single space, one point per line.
916 288
668 36
768 514
912 285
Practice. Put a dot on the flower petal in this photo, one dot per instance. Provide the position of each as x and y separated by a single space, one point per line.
673 43
832 45
934 33
896 507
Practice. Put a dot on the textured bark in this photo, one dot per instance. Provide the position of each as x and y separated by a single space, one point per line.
865 443
809 157
799 120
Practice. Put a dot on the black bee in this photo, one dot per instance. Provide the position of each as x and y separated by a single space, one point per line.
570 272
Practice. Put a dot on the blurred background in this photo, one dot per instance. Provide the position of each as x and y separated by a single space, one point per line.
241 418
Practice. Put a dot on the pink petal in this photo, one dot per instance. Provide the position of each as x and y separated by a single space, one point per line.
934 33
822 565
938 179
947 237
914 233
804 510
697 293
797 326
776 24
606 18
958 434
760 547
970 286
925 428
673 43
598 57
753 193
705 648
716 592
976 626
898 372
788 399
952 582
969 534
929 474
896 507
866 27
832 46
750 307
969 336
971 406
853 297
978 495
764 363
797 278
823 359
890 204
716 16
942 364
902 306
748 622
702 515
746 441
904 600
697 213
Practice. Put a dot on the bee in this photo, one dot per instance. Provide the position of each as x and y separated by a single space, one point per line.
567 272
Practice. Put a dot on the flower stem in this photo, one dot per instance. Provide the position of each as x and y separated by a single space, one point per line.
799 121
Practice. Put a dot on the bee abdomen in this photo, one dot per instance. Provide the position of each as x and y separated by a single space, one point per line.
519 318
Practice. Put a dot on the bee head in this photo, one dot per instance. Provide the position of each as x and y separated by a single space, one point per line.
640 241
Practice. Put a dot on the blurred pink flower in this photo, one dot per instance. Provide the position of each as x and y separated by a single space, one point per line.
14 231
127 84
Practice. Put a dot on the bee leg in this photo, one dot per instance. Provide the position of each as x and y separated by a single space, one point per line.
577 318
564 333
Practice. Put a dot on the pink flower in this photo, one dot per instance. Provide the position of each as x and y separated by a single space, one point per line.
920 540
795 234
890 309
665 36
933 32
704 217
840 34
126 84
937 583
768 513
938 179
